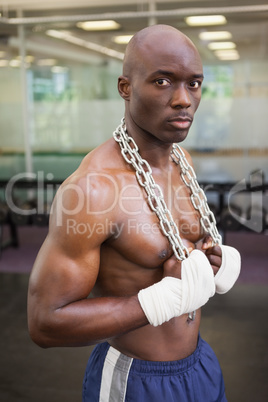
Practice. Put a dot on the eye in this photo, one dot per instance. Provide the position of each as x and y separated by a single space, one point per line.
162 82
195 84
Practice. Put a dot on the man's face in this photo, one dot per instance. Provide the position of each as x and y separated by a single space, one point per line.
165 88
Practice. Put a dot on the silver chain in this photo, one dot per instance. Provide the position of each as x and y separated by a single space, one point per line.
198 197
130 152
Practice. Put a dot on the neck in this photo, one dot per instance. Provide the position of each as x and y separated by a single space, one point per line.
153 150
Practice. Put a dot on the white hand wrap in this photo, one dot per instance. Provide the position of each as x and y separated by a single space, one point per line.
229 270
172 297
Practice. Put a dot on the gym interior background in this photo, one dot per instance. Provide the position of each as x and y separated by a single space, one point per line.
59 100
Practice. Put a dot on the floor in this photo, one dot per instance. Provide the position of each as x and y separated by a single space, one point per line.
235 325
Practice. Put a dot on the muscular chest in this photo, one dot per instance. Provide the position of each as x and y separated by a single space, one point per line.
139 236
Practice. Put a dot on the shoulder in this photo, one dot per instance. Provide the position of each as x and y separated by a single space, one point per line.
187 155
87 200
95 185
106 157
99 164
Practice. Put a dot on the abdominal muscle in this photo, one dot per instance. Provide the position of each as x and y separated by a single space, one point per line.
173 340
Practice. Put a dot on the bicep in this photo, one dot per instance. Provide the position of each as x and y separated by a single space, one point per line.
67 264
59 278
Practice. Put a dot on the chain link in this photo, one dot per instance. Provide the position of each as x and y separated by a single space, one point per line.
130 152
198 197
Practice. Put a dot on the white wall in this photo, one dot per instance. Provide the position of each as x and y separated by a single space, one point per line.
89 108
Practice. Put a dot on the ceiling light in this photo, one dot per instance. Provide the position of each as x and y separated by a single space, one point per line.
215 35
4 63
54 33
122 39
227 54
68 37
98 25
28 58
200 20
221 45
59 69
233 57
14 63
46 62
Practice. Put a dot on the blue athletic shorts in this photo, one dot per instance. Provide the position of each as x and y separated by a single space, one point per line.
114 377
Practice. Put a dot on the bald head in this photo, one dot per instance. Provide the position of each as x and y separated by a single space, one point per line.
154 38
161 81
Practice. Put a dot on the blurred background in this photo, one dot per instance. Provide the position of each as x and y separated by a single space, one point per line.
59 64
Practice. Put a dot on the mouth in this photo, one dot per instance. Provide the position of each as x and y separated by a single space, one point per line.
181 122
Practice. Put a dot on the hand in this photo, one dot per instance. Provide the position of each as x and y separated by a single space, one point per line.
172 267
213 253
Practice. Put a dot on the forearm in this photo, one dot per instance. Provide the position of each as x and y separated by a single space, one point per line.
86 322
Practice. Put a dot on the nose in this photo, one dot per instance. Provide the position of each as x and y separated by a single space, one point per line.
181 98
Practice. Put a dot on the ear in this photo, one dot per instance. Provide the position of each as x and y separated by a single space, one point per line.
124 87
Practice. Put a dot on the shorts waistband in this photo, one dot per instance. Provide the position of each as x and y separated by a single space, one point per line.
161 367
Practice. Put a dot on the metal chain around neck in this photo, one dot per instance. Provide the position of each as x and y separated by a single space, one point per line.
130 152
